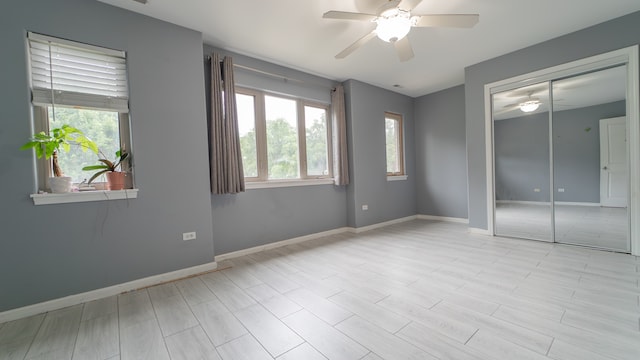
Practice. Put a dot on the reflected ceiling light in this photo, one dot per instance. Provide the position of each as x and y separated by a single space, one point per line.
393 25
530 106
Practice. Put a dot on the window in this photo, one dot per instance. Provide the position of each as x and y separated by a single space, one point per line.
85 87
394 146
282 138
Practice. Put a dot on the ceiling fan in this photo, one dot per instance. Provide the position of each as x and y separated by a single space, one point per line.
528 104
394 21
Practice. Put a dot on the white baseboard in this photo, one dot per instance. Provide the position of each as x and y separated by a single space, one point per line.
444 218
76 299
277 244
479 231
382 224
523 202
572 203
577 203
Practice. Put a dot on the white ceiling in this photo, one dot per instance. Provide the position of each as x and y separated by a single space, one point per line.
292 33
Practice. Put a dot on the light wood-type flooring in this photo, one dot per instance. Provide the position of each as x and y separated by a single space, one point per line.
416 290
594 226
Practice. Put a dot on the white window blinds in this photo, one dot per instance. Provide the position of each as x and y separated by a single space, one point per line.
75 74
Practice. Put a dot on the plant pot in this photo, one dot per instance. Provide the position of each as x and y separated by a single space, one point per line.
60 184
115 180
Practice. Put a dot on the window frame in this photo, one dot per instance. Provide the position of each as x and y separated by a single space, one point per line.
43 165
260 126
398 118
114 99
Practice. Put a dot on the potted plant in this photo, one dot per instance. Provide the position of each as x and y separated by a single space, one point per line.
115 178
48 145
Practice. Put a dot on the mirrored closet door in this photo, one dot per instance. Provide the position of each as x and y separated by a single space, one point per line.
590 162
522 163
561 160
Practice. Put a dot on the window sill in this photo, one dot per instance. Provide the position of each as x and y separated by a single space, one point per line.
84 196
250 185
397 177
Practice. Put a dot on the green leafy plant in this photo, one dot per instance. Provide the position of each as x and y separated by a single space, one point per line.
107 165
48 145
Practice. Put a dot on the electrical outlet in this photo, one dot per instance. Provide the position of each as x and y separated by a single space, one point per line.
188 236
560 189
536 190
365 207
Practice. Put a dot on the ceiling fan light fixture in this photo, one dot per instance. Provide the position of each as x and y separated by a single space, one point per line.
530 106
393 25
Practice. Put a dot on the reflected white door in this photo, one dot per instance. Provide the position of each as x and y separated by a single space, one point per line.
613 162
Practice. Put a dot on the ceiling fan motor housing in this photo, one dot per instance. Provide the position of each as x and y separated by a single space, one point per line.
393 24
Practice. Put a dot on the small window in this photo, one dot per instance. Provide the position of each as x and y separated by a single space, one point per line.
83 86
394 144
282 138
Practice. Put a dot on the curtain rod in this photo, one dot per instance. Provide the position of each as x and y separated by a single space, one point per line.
274 75
244 67
286 79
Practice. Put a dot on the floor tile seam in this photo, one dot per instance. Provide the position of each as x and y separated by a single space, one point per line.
35 335
229 312
487 322
375 304
155 311
215 348
117 327
623 334
261 344
235 317
612 340
76 331
496 334
225 305
306 341
374 325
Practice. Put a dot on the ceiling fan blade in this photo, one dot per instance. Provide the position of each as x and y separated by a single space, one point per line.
448 20
353 47
391 4
505 110
511 106
403 47
344 15
409 4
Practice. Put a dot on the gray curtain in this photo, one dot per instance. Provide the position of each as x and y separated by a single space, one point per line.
227 176
339 126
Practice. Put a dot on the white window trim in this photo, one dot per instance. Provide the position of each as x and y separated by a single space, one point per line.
397 177
402 174
261 182
83 196
44 97
252 185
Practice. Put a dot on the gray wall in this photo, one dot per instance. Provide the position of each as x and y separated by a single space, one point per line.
522 158
608 36
262 216
387 200
441 155
522 154
576 152
52 251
